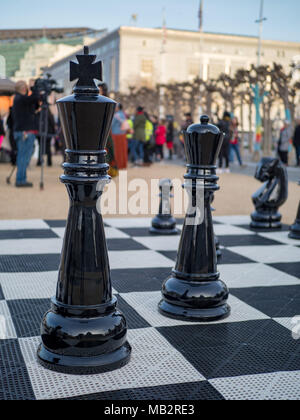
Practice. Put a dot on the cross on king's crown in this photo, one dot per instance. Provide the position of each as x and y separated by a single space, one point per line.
86 71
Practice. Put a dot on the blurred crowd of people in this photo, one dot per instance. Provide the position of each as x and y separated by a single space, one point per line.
137 141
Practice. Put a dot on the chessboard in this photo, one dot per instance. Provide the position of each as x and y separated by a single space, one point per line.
253 354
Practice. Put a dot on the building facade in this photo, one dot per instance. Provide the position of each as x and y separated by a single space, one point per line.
144 57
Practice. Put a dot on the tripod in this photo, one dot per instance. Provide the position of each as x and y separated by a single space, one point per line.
43 133
10 175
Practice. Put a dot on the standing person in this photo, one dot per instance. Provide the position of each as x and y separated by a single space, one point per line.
129 137
284 143
13 144
139 135
170 137
119 130
235 140
188 121
224 126
2 132
25 129
148 137
160 139
296 143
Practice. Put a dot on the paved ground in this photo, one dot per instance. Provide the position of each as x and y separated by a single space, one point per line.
234 196
252 354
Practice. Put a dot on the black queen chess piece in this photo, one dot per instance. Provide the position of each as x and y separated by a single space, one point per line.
84 332
272 194
195 292
164 223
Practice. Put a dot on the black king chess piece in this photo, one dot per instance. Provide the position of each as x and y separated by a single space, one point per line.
164 223
194 291
84 332
272 194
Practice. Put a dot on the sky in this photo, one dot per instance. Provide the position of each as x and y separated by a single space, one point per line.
225 16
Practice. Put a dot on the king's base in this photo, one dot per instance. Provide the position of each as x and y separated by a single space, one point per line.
84 365
265 220
162 232
194 315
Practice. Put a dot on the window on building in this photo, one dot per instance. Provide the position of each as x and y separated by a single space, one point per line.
193 69
147 68
215 68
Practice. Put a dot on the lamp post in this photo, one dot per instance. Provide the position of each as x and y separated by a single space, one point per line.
258 97
162 80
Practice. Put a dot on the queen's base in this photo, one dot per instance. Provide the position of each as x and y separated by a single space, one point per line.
194 315
199 301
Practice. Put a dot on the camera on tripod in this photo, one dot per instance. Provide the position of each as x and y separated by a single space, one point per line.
45 86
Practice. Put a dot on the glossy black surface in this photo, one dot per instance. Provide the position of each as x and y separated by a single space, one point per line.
272 194
295 228
84 332
164 223
218 249
194 291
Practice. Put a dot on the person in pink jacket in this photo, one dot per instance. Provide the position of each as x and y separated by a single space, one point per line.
160 139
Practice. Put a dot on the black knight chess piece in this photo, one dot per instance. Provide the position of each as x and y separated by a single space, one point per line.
194 291
271 195
164 223
84 332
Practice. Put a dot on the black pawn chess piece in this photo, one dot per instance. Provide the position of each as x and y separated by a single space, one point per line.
295 228
272 194
195 292
164 223
84 332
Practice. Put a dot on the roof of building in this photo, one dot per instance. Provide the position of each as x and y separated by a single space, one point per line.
210 33
37 33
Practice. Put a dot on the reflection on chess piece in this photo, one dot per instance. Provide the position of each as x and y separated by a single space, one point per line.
194 291
218 249
84 332
164 223
295 228
217 242
271 195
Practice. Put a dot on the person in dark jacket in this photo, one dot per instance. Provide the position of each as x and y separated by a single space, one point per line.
139 135
224 126
296 143
13 144
2 132
170 137
25 129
